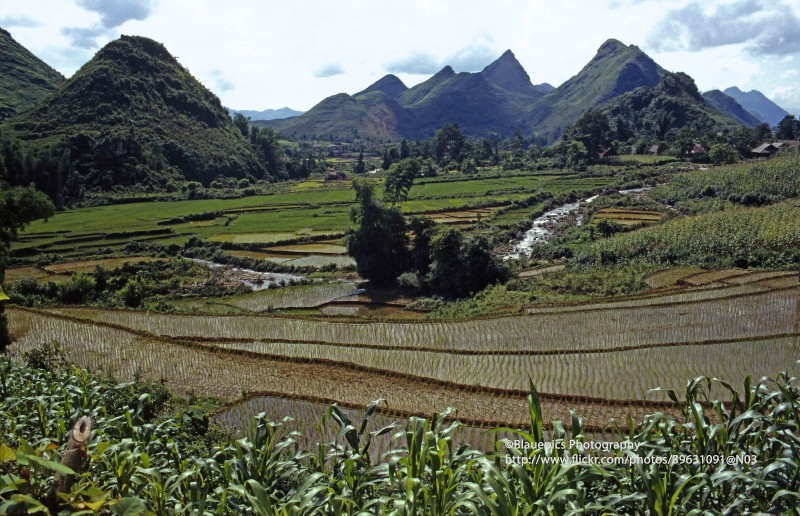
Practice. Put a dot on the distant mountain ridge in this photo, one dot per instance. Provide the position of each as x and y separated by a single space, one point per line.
758 104
266 114
483 103
24 78
728 105
502 99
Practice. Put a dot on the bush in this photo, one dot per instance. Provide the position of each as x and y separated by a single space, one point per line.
77 291
48 356
134 292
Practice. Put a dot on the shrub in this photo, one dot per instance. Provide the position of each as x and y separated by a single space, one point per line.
78 290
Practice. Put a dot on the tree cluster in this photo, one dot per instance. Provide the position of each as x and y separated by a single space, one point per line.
440 261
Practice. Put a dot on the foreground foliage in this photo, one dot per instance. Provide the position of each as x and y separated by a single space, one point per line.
138 463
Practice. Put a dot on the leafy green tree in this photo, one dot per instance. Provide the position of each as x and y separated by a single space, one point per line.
460 267
763 133
400 178
485 151
723 153
241 122
593 129
387 160
379 245
424 230
664 122
446 275
268 150
405 150
516 144
576 154
359 167
18 207
449 144
788 128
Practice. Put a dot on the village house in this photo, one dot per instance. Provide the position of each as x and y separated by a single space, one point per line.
765 150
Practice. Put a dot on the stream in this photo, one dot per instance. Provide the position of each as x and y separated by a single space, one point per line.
543 227
254 279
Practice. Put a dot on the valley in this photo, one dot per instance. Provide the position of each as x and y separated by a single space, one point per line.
405 300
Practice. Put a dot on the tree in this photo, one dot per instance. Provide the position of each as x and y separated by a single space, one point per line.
576 155
379 245
449 144
399 179
763 133
446 275
723 153
665 121
267 148
424 230
593 129
460 267
788 128
359 167
18 207
405 150
241 122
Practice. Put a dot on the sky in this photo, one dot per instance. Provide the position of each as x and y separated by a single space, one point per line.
258 54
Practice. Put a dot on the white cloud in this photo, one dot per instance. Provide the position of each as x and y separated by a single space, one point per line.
18 21
114 13
329 70
764 29
270 49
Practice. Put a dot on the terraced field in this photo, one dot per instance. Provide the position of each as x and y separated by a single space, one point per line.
334 343
313 211
600 359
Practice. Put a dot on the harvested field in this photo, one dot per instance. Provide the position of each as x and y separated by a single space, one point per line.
305 249
90 265
670 277
628 217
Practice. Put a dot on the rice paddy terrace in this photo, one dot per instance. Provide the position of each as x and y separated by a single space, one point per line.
271 225
289 351
600 359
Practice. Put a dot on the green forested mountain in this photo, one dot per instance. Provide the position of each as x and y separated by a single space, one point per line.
673 103
727 105
390 84
130 116
614 70
24 78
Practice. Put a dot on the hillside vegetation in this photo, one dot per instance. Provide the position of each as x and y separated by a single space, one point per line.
24 78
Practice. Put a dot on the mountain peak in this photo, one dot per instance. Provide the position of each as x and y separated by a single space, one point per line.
758 104
390 84
507 55
112 103
610 46
507 73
